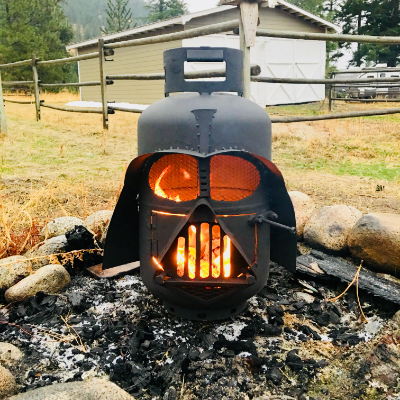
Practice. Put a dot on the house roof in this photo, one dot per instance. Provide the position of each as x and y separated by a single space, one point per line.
184 19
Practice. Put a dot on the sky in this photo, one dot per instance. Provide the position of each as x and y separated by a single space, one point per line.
200 5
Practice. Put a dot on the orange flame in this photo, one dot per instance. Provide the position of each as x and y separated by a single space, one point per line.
226 259
180 257
204 255
159 192
186 174
158 264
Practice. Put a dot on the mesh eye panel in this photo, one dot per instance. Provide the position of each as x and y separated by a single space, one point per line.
232 178
175 177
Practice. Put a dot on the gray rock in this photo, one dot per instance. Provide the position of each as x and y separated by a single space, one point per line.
9 354
304 206
13 273
51 246
329 227
92 389
60 226
8 385
98 223
48 279
375 238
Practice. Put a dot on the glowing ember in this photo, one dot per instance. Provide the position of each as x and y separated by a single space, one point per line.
192 253
159 192
181 257
226 259
227 256
204 253
158 264
186 174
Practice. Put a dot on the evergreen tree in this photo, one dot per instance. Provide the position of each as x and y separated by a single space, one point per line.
350 17
34 27
315 7
160 10
89 16
119 16
372 17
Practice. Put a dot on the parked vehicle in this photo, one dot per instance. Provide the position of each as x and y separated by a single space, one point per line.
366 91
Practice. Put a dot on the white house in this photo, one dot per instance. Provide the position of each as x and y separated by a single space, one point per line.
284 58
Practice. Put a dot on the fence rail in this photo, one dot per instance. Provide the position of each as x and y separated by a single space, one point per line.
89 56
16 64
79 110
20 101
18 83
76 84
323 117
170 37
215 73
329 37
328 82
249 74
366 100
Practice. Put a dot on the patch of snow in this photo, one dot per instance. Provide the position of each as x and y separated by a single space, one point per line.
371 328
231 331
116 359
325 338
244 354
95 104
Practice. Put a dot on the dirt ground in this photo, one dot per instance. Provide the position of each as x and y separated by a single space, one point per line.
66 164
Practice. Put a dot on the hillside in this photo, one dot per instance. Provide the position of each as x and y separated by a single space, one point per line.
88 16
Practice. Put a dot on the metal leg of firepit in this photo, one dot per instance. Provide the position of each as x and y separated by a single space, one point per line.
203 314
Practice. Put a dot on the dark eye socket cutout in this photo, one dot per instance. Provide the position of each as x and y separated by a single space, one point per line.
232 178
175 177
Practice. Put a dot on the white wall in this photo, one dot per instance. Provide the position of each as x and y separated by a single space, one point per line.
279 58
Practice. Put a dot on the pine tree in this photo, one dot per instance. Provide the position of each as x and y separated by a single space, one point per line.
119 16
315 7
160 10
34 27
351 17
376 18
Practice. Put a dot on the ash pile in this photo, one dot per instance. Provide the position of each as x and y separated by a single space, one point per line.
289 342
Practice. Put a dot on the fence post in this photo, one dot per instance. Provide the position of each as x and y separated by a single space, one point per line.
3 122
331 93
247 32
103 83
36 84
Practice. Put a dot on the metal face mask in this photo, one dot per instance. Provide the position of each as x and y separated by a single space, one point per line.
203 208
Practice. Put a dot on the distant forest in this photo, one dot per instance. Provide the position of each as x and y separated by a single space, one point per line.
87 16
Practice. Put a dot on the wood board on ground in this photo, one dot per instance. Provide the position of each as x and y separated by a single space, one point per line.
345 272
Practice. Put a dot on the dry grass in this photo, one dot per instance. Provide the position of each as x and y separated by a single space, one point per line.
352 161
63 165
67 165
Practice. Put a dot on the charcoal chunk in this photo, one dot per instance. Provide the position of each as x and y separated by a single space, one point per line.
274 375
323 319
309 332
275 310
237 346
293 361
271 330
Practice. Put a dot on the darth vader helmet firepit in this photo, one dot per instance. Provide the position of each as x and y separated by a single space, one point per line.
203 208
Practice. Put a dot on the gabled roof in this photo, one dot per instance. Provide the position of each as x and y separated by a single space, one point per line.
184 19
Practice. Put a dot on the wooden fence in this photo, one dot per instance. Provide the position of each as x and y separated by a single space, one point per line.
250 74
